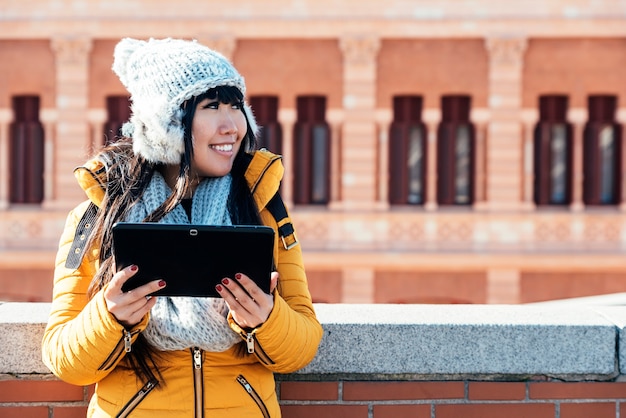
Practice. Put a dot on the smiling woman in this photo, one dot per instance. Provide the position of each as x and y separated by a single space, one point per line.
187 158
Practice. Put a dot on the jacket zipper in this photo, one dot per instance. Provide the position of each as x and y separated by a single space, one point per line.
136 400
123 346
254 395
198 382
254 347
267 166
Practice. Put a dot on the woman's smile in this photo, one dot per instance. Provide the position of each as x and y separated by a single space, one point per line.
223 148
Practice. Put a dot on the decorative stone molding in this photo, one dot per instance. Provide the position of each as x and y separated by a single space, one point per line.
506 50
360 49
71 49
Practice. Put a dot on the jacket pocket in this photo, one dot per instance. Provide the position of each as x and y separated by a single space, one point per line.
254 395
136 399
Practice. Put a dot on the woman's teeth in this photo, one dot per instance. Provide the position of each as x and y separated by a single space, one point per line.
223 148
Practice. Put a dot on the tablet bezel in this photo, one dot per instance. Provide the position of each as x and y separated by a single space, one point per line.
193 259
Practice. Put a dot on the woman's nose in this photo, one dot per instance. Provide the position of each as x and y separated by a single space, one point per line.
228 124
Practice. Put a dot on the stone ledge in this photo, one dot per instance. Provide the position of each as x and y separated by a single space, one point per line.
416 341
452 341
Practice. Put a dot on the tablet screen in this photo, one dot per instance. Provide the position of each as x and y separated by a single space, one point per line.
193 259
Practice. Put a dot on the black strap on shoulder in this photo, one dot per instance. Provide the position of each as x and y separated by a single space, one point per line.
277 208
83 229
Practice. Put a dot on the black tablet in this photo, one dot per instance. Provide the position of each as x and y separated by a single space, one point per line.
193 259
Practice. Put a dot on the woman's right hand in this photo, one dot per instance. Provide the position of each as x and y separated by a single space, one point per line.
130 307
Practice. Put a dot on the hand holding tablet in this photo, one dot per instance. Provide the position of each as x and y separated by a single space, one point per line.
193 259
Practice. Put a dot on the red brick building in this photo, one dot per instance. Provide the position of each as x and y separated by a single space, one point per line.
438 151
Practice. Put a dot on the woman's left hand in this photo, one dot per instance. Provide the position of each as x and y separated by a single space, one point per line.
249 308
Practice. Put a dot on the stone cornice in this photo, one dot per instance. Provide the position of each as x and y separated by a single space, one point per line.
572 342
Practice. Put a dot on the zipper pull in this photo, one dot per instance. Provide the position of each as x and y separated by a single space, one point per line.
244 383
250 342
197 358
127 341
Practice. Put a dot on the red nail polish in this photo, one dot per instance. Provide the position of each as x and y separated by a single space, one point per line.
238 276
218 288
225 281
161 283
133 268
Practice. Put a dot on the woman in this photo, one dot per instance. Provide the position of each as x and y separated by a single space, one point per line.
190 161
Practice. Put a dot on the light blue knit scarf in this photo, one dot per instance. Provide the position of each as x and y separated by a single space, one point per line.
177 323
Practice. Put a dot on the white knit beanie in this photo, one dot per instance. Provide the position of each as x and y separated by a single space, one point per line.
160 75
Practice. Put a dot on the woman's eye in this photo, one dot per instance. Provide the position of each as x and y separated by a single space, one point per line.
211 105
237 105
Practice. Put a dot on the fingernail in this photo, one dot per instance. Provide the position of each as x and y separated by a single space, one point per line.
225 281
238 276
218 288
161 283
133 268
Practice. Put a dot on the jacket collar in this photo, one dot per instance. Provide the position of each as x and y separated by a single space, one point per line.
92 179
263 175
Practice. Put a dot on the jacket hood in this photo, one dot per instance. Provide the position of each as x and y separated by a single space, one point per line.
92 179
264 175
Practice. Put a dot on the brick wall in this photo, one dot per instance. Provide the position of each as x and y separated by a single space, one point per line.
41 397
452 399
359 54
32 397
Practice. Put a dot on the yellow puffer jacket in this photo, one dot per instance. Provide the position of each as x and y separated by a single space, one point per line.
84 344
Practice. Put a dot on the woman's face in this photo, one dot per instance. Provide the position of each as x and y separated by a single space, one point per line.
217 131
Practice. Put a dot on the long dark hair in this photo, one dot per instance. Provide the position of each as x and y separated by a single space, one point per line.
127 177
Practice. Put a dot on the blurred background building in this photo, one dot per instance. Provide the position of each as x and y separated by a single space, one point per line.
436 151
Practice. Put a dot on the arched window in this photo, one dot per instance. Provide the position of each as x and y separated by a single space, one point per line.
407 152
602 152
455 152
311 166
118 112
26 150
553 152
265 110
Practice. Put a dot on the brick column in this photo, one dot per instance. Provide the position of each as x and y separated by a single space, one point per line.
621 119
97 118
432 119
49 118
287 119
529 118
359 143
358 285
73 139
480 118
504 157
335 119
578 118
6 116
384 118
503 286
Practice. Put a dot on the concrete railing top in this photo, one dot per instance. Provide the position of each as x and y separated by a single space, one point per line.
566 341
